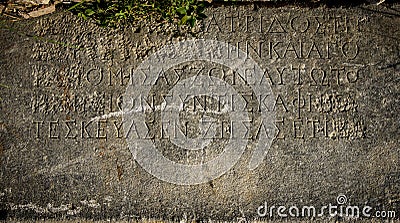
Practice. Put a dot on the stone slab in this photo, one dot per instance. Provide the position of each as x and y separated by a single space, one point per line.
329 88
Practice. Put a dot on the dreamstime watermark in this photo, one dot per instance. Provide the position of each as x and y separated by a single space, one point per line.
147 152
339 209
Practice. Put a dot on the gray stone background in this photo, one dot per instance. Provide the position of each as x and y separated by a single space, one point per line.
49 64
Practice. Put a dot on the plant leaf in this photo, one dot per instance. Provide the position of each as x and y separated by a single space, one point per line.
192 21
89 12
181 10
76 5
185 19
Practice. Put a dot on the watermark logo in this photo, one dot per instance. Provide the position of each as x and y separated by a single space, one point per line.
341 199
339 209
168 113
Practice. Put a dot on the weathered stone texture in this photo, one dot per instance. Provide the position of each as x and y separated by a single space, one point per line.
334 73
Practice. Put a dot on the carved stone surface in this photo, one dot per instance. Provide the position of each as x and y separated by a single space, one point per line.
334 75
